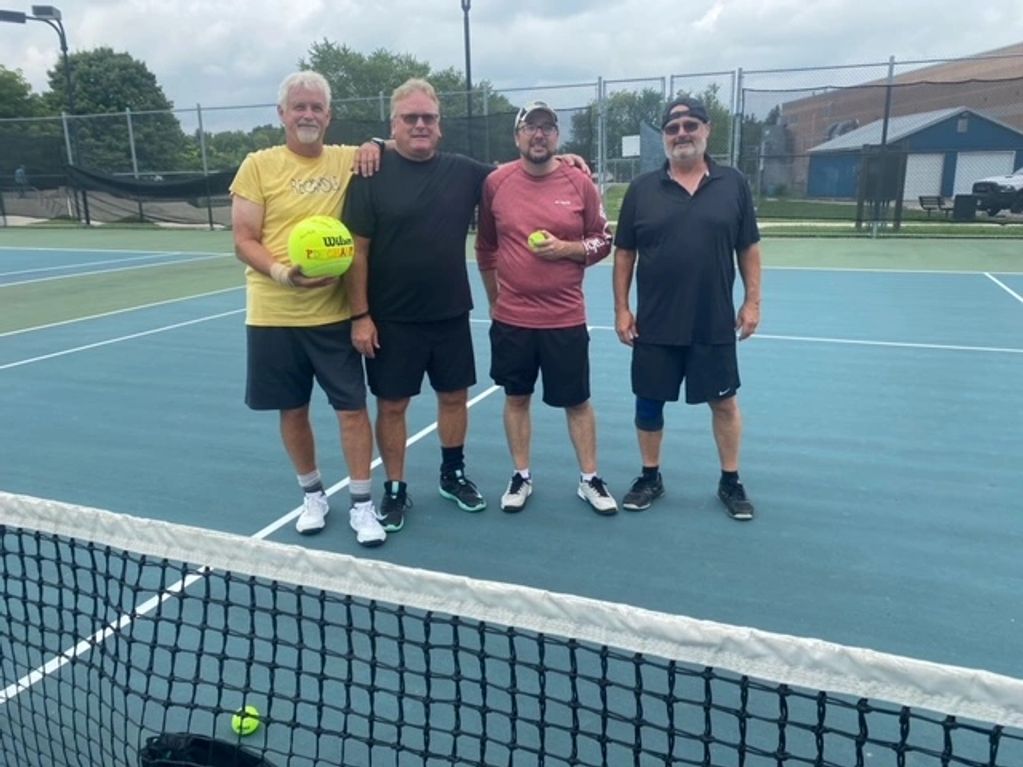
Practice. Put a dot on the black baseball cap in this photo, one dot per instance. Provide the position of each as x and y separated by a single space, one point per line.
693 107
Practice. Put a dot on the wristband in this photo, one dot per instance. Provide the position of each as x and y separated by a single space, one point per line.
281 274
380 143
358 316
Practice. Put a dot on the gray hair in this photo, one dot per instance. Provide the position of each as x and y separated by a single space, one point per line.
307 79
410 86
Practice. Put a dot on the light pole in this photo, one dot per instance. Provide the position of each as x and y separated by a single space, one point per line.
50 16
466 5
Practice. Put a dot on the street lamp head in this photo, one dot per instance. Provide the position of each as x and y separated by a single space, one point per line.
14 17
46 12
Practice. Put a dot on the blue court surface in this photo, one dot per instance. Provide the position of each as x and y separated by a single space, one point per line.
883 447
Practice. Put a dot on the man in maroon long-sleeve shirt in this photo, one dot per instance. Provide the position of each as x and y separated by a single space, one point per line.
536 298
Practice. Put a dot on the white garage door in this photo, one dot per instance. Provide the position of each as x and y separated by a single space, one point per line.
971 166
923 175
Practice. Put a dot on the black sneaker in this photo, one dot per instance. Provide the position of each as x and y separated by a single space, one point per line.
643 493
459 488
392 509
735 500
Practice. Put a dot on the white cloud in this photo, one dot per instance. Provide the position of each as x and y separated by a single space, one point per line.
235 52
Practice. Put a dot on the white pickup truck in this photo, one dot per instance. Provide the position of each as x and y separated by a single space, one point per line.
997 192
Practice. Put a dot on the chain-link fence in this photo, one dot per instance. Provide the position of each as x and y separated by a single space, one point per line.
886 144
879 144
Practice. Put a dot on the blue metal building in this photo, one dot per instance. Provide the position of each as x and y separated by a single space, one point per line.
946 151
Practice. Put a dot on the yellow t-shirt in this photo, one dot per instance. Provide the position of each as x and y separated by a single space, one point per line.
291 187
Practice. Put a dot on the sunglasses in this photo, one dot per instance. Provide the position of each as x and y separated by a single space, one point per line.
689 126
428 118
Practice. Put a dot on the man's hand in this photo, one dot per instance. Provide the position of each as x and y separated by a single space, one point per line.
747 320
292 277
364 336
367 159
625 326
552 249
576 161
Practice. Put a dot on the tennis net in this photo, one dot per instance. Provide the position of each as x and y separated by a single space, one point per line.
117 633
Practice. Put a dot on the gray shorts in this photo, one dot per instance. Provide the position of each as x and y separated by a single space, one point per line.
283 362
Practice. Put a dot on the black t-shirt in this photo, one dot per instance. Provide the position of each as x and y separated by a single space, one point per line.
686 248
417 215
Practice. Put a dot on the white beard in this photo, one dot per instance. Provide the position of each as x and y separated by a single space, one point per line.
307 134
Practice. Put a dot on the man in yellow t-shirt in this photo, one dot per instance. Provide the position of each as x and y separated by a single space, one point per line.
299 328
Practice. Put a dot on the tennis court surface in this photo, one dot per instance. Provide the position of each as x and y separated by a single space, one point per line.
882 447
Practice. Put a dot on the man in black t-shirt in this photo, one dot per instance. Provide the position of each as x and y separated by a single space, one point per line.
689 223
409 291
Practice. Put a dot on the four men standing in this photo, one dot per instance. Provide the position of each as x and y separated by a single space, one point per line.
404 305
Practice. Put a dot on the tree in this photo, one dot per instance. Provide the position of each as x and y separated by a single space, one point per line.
16 96
361 86
26 140
107 83
227 149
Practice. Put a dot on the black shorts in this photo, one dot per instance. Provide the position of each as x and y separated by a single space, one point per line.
282 363
561 354
442 350
711 372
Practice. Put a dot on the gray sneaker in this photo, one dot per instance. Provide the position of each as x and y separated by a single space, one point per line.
594 492
518 492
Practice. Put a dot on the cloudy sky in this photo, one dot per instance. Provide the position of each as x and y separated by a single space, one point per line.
233 52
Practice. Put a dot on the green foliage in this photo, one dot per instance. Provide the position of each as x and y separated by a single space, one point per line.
361 87
227 149
16 96
626 110
107 83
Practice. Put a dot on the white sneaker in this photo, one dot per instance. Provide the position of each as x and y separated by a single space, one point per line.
363 519
595 493
314 514
514 498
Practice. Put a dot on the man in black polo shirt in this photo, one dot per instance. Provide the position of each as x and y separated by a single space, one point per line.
689 223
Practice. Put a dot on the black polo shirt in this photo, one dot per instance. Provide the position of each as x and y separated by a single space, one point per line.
686 247
417 216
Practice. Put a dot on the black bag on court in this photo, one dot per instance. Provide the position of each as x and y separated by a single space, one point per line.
182 749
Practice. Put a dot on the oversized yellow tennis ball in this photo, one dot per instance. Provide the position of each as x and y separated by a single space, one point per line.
536 238
322 246
245 720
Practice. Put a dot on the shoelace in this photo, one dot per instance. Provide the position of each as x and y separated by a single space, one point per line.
598 484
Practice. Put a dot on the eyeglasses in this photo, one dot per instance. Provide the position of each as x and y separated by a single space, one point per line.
548 129
428 118
689 126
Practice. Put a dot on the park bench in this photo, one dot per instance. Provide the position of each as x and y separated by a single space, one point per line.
931 202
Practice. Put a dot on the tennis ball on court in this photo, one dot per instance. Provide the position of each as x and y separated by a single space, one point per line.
245 720
322 246
536 238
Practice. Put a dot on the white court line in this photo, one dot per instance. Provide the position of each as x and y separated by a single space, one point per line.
107 271
147 256
84 251
858 342
110 341
89 643
1004 287
112 312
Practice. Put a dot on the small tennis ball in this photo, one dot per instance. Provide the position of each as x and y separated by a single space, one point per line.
245 720
536 238
322 246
